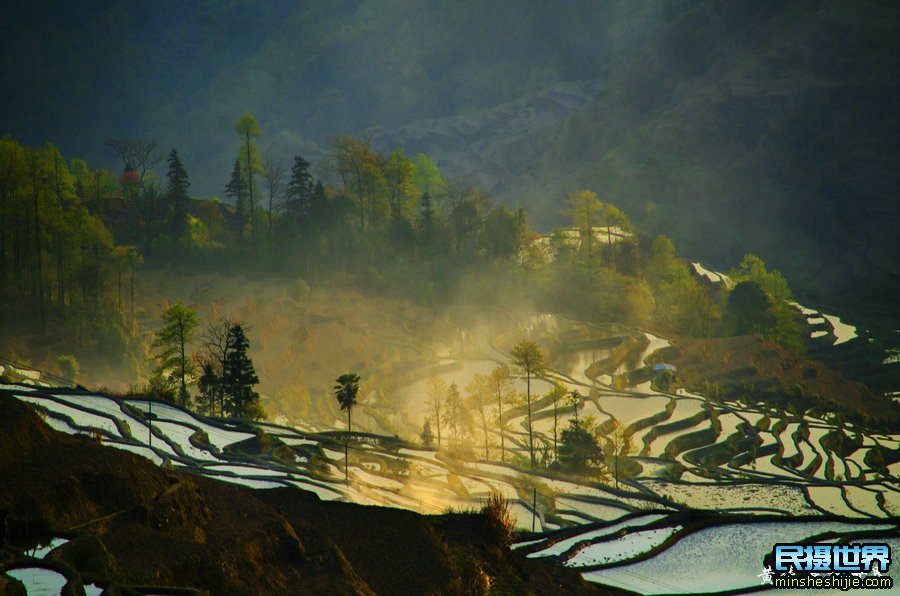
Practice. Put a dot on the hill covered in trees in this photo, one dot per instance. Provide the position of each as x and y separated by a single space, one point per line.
683 113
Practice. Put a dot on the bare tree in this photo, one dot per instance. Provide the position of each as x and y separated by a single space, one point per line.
216 341
435 402
274 178
137 155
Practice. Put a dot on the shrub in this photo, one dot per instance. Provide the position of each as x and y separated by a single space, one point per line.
68 367
500 521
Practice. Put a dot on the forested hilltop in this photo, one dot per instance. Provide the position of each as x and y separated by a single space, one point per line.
73 238
723 126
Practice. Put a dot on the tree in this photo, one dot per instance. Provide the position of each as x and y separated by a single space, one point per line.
362 175
479 392
237 192
217 342
585 210
427 436
555 395
398 176
783 323
298 197
177 196
241 400
425 222
750 309
575 399
174 365
274 170
579 452
500 386
207 389
456 414
427 177
247 127
502 233
345 391
137 155
618 444
531 361
435 398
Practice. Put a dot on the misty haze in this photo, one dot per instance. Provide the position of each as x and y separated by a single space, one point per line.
392 297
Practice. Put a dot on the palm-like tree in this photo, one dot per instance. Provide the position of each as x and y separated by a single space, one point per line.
346 390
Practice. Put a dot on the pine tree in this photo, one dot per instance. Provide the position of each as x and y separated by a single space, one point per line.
177 196
241 401
207 387
427 436
578 449
237 192
299 196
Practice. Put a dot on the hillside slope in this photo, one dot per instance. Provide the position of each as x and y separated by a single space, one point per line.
131 523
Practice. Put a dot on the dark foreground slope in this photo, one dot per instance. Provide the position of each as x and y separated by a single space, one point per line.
133 524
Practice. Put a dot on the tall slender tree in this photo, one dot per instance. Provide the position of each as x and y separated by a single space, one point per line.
177 196
585 210
346 390
247 127
479 393
175 366
555 395
298 198
531 361
237 192
435 402
501 389
274 174
241 400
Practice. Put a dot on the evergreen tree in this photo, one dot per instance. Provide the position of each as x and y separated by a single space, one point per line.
208 389
177 196
237 192
427 436
298 205
241 401
578 450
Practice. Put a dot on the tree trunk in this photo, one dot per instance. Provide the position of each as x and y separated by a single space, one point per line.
554 431
39 279
183 396
132 303
346 443
500 422
484 428
250 191
530 433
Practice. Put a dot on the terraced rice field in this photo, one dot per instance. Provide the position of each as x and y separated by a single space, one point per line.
758 470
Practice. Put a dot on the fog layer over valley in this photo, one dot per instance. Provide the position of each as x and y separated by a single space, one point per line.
385 296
